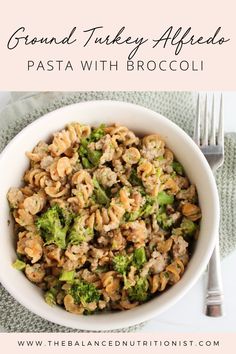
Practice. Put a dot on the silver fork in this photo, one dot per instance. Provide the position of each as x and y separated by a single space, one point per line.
212 146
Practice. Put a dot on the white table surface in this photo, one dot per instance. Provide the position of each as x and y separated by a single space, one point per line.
187 315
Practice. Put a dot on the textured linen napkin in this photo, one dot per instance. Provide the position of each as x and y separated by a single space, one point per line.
180 107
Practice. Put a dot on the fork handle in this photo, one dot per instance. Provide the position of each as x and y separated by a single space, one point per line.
214 296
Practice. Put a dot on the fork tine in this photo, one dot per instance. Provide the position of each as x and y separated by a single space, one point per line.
220 139
205 133
213 123
196 133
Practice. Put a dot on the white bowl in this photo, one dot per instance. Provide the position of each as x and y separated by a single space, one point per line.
13 163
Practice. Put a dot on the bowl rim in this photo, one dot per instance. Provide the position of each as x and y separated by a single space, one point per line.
132 320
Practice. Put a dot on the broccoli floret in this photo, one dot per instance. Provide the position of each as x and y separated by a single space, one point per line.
66 217
86 163
134 179
19 265
188 227
78 233
94 156
163 198
139 292
67 275
97 133
146 210
148 207
90 158
83 292
178 168
50 297
83 147
139 257
134 215
121 263
163 220
53 225
100 194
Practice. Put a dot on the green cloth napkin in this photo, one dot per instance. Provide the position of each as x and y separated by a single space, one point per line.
180 107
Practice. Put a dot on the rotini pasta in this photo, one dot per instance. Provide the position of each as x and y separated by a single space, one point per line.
105 220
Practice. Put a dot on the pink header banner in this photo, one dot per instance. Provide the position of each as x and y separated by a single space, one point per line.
127 45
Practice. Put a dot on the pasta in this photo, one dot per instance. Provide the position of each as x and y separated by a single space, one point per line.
105 220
